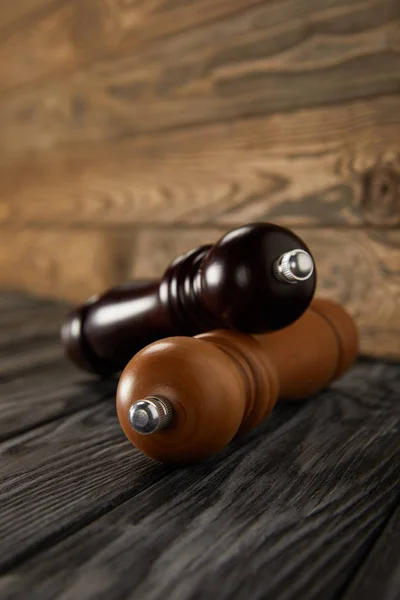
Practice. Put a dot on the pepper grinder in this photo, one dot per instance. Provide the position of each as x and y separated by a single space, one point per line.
256 278
184 399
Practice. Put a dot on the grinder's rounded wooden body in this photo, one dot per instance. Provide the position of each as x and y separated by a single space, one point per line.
231 284
222 383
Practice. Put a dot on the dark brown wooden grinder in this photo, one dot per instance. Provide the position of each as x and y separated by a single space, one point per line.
257 278
184 399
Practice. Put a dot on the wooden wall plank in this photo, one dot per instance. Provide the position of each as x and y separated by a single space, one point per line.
360 269
257 63
60 263
336 165
290 511
49 38
15 14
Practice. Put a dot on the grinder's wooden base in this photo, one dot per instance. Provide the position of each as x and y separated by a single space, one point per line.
222 382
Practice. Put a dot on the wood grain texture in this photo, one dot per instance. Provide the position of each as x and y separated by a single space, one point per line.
45 38
359 269
26 327
289 512
130 131
37 384
269 59
59 475
61 388
380 574
337 165
61 263
14 14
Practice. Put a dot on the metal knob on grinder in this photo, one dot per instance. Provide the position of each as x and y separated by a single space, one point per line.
256 278
223 383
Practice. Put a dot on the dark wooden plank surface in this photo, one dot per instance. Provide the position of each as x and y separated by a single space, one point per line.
59 476
379 576
291 511
37 385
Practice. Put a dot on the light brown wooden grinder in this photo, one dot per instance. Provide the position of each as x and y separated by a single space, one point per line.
205 390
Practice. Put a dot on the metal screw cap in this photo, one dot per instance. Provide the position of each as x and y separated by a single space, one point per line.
294 266
150 415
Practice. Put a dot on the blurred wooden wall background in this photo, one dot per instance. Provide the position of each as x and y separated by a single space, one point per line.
132 130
